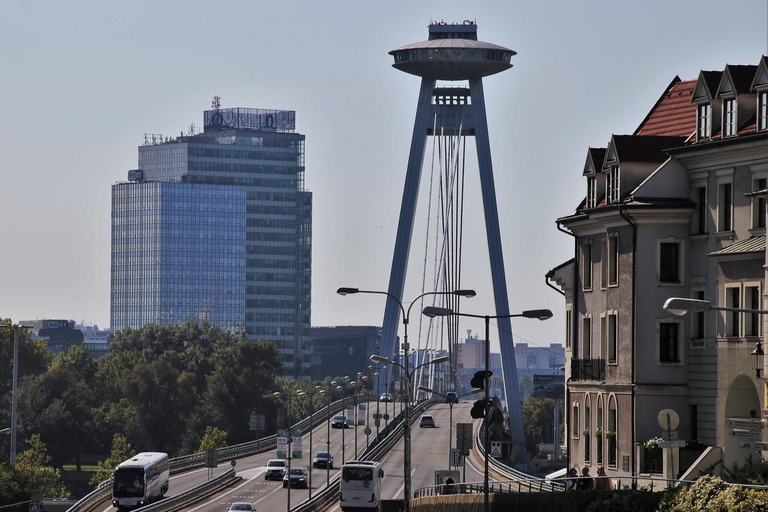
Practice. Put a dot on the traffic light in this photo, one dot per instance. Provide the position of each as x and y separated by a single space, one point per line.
478 409
478 381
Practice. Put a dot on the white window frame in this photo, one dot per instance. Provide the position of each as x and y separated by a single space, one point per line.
586 336
680 346
749 303
616 184
586 265
591 192
603 353
733 299
759 182
613 259
724 201
730 123
762 110
698 292
680 261
612 327
699 220
575 420
703 121
603 263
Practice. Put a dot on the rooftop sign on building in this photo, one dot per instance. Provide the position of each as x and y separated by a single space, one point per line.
240 118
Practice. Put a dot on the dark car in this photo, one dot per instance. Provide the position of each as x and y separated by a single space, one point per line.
339 422
322 460
451 397
275 469
297 478
385 397
241 506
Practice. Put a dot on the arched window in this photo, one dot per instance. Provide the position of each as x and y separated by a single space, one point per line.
599 432
612 432
587 433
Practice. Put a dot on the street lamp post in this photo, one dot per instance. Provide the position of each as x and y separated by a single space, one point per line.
451 403
278 394
406 347
541 314
311 395
341 388
328 440
15 392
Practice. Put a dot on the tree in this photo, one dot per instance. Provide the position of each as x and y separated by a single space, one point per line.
58 406
244 377
213 439
121 451
37 477
538 416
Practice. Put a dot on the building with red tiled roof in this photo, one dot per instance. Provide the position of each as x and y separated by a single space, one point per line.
677 209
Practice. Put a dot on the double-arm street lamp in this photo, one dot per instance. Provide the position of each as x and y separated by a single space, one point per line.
15 393
451 403
407 419
681 306
541 314
406 348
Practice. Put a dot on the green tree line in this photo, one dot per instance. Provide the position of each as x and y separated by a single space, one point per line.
159 388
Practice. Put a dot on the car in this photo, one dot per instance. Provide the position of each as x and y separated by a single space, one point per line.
297 478
339 422
241 506
385 397
451 397
427 421
322 460
275 469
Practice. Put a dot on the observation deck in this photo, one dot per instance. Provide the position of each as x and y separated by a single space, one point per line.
452 53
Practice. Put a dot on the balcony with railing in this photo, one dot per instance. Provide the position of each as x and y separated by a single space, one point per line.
588 369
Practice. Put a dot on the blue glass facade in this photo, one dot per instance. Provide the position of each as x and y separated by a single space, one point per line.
220 230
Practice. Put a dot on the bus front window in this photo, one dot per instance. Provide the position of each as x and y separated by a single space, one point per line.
129 483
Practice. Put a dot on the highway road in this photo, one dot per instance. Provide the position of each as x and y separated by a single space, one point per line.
270 495
429 452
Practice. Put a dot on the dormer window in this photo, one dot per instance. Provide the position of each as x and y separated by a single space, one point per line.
729 117
704 121
612 184
591 192
762 110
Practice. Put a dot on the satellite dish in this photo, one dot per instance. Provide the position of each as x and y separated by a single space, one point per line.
668 419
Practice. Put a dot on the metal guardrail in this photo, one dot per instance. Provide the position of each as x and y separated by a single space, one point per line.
193 494
195 460
513 475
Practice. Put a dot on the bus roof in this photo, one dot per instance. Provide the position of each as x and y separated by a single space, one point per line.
143 459
361 463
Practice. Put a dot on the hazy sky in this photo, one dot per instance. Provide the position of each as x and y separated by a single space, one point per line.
82 81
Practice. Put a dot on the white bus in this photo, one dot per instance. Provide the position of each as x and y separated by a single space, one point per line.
360 485
140 480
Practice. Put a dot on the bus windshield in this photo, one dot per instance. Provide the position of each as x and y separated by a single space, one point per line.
128 483
358 474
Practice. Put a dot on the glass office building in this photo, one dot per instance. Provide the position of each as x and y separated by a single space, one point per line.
217 227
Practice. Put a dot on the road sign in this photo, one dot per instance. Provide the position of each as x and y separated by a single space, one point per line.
33 507
745 423
496 449
367 431
257 422
385 416
668 419
671 444
740 432
457 459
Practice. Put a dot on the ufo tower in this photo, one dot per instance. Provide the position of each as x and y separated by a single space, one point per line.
453 54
